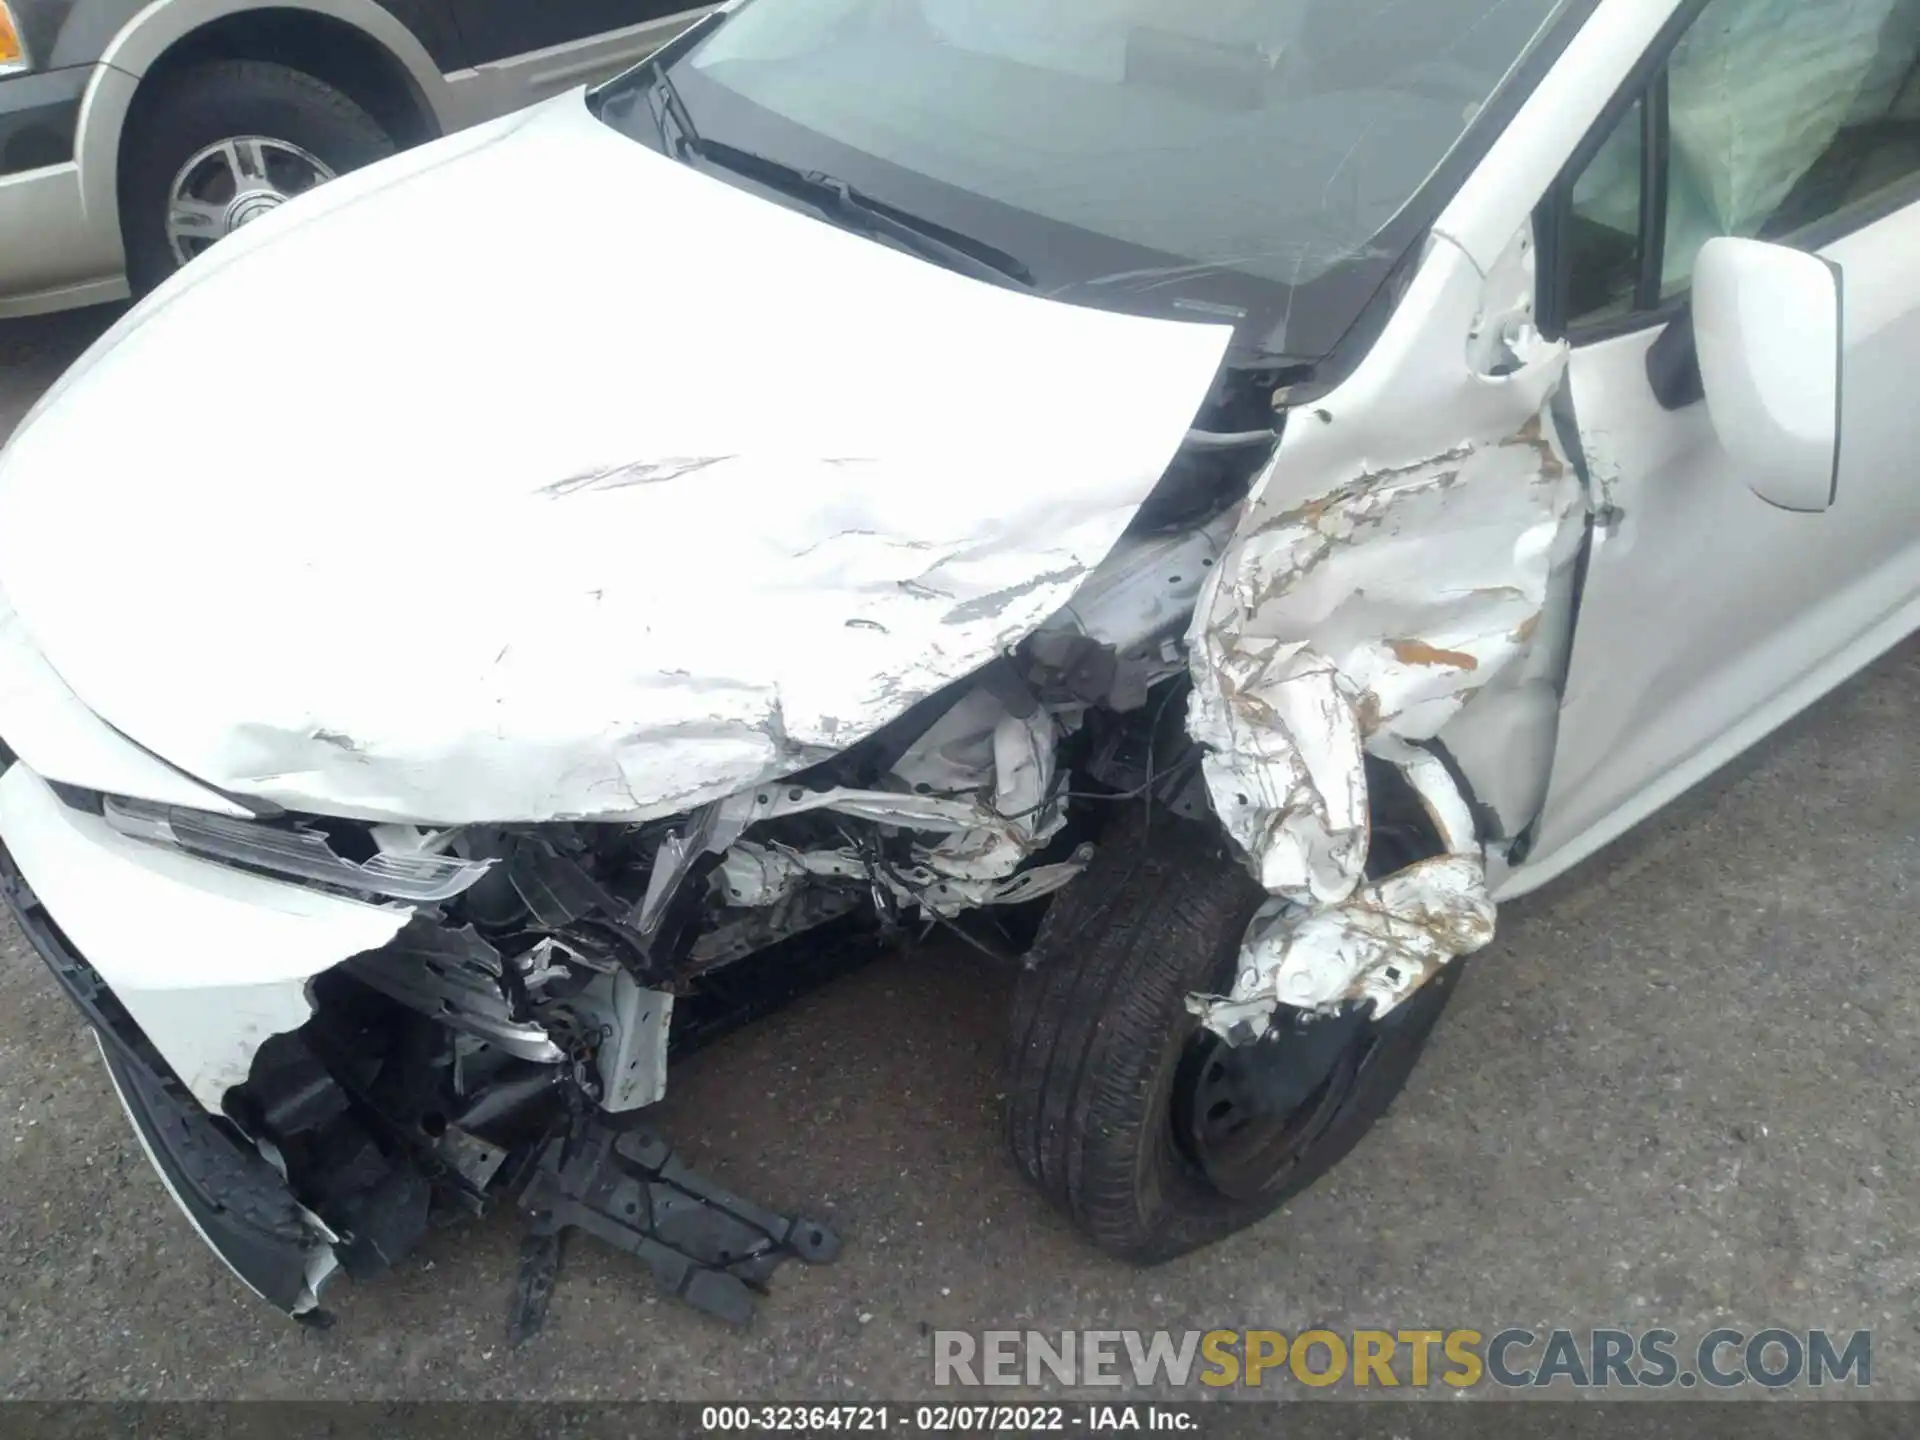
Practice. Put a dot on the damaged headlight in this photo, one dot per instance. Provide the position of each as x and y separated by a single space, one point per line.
293 854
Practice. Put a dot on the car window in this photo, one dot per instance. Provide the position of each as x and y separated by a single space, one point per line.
1771 119
1603 232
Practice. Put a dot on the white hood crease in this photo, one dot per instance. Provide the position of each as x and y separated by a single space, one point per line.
1391 563
694 506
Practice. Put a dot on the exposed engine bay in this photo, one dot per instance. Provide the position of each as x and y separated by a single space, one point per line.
533 993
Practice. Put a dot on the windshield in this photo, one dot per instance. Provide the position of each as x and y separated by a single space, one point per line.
1266 141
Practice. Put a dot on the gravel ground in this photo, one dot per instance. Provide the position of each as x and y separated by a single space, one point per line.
1679 1090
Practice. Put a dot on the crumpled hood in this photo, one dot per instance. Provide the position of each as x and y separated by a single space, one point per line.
533 475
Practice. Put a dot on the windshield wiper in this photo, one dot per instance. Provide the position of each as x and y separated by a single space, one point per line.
840 202
670 115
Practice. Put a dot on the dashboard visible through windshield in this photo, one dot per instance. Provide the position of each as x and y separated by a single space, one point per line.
1216 159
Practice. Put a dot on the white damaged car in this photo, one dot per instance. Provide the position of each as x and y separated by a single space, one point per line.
1262 482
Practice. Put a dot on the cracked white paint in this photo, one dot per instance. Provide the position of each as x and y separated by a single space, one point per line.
1391 563
1380 944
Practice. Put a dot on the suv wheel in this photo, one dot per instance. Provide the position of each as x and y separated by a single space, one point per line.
223 143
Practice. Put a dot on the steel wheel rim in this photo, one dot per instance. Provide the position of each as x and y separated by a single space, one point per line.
232 183
1246 1115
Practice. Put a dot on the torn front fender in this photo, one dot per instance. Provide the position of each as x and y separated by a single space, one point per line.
1393 563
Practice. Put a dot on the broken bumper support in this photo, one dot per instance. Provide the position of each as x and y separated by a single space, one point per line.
704 1244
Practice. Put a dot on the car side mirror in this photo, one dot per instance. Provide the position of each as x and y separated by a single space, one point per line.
1767 330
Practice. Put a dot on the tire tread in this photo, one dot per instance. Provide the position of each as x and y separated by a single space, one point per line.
1099 1019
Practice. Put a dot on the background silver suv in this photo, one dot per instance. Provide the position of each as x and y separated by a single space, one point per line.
135 133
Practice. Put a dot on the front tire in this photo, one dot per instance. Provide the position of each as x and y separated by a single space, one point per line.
222 143
1110 1112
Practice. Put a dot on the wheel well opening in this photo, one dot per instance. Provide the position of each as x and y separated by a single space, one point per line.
330 50
1403 832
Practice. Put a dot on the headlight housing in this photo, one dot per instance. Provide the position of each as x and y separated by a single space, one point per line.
13 48
293 852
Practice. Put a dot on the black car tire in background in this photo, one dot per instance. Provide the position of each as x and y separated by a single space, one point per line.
219 101
1152 1136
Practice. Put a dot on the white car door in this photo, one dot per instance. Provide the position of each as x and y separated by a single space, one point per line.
1708 615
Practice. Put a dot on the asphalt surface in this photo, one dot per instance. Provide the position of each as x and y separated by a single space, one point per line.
1681 1089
